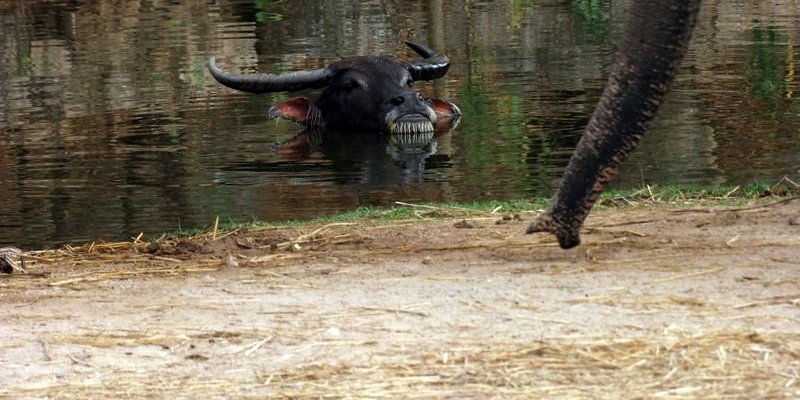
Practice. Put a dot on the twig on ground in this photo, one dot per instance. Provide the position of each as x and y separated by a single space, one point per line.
689 275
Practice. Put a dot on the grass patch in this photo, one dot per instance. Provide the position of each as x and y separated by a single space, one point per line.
689 195
649 196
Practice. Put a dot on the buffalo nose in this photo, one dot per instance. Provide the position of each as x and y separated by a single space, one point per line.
398 100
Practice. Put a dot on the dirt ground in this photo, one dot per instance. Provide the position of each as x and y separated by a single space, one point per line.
693 302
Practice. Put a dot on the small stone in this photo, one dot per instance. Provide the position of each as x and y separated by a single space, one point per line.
7 263
197 357
794 221
333 331
247 243
153 248
5 266
464 224
187 247
232 262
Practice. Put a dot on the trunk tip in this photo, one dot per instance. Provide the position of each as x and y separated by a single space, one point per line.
567 237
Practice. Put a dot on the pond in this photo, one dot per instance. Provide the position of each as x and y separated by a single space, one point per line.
111 126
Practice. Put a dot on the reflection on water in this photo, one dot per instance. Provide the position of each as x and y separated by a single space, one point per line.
110 125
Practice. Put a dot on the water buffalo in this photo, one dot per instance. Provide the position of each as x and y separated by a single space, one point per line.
364 94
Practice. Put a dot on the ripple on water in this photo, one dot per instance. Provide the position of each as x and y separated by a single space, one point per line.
110 124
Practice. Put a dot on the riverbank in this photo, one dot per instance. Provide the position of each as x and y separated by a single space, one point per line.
685 295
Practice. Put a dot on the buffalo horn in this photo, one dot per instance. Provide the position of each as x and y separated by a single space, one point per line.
432 67
266 83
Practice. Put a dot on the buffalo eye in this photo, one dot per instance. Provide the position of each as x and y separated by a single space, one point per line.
410 82
352 84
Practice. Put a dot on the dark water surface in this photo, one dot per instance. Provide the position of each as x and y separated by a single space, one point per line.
111 126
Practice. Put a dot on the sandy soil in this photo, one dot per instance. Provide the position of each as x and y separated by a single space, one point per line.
699 302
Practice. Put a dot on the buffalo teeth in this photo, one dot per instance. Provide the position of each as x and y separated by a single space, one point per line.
411 127
415 138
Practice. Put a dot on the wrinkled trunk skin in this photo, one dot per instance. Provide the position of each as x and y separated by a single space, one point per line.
656 35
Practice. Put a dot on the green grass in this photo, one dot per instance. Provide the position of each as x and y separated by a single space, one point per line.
650 196
718 195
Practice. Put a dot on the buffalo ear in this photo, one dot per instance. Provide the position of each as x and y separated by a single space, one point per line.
297 109
448 115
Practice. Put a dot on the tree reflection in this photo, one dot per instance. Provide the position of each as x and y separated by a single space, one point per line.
110 126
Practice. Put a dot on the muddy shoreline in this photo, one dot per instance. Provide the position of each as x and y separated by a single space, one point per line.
664 302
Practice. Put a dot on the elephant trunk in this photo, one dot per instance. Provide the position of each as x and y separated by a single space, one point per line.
656 36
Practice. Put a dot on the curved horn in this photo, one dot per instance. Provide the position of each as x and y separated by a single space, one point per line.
432 67
265 83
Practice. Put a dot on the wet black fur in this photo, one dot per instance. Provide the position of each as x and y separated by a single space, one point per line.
360 92
363 90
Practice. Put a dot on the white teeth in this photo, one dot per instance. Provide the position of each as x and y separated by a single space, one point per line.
411 127
413 138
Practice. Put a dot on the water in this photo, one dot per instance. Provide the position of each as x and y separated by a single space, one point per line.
110 125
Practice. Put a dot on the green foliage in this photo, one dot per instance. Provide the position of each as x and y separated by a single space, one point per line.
196 75
766 66
25 64
266 11
494 137
591 20
476 101
517 11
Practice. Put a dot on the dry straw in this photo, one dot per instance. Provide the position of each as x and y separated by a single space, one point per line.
673 365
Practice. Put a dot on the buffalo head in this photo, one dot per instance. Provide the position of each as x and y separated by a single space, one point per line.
360 93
